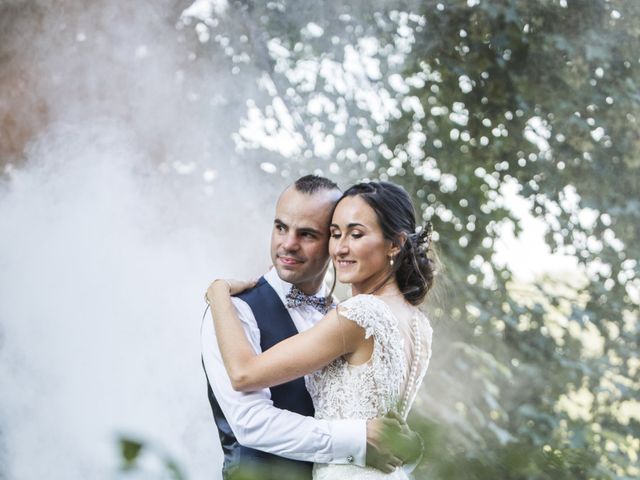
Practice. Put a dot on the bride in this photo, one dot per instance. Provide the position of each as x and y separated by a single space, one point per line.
367 357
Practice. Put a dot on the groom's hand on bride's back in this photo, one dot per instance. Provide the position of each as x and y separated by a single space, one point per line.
380 452
408 444
391 443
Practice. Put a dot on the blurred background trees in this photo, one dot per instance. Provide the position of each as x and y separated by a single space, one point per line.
490 113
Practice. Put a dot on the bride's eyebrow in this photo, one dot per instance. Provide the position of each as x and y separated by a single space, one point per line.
355 224
349 226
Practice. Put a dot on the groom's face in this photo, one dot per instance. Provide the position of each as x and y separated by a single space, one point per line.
300 236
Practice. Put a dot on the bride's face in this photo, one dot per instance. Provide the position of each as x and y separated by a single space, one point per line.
357 245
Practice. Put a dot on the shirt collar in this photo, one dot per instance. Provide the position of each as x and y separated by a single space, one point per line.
282 288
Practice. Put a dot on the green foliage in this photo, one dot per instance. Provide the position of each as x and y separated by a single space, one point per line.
515 459
129 450
474 106
132 452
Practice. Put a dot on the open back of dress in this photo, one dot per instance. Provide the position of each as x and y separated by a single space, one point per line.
389 381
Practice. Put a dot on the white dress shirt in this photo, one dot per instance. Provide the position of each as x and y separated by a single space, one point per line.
256 423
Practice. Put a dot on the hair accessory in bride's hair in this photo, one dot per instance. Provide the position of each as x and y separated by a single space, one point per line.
422 237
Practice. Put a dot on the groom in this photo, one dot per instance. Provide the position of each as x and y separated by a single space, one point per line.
274 429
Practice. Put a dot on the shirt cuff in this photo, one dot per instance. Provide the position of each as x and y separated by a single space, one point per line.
349 441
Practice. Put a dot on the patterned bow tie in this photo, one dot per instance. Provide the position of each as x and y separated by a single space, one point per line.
296 298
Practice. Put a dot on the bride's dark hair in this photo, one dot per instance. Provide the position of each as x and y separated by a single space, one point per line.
413 269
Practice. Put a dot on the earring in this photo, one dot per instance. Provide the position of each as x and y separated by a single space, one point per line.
391 261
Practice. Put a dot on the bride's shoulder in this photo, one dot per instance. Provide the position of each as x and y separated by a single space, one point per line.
368 311
361 301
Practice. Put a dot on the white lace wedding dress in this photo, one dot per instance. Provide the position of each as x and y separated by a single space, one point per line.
388 381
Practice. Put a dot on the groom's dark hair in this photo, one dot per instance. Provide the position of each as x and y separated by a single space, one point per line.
310 184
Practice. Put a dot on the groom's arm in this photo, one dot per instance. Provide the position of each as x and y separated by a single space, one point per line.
257 424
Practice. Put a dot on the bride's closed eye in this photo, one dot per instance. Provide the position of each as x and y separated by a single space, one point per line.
354 235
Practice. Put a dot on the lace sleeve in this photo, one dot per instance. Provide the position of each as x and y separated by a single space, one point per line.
364 311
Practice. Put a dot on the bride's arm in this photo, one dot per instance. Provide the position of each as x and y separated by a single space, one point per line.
292 358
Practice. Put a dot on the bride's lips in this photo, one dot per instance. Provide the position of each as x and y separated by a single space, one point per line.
345 263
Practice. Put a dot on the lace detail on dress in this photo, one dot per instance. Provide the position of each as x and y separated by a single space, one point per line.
341 390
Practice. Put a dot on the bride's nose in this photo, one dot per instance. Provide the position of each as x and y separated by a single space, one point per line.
341 247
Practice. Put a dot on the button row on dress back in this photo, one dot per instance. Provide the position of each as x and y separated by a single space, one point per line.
413 372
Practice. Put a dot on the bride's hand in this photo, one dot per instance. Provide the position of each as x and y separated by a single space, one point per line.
229 286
